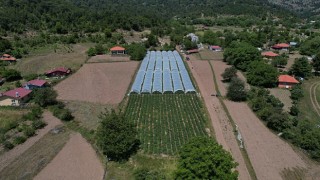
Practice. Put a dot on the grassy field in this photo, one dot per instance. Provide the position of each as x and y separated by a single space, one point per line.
46 58
166 122
32 161
305 105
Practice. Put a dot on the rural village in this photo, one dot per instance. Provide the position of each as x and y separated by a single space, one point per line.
193 98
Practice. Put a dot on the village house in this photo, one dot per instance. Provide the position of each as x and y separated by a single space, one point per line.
118 50
215 48
269 54
15 97
34 84
58 72
8 58
281 46
286 81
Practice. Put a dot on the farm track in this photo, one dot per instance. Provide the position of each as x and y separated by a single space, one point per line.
313 97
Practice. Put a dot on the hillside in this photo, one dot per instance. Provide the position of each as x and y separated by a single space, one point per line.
303 7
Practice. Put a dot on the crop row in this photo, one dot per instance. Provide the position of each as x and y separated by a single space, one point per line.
166 122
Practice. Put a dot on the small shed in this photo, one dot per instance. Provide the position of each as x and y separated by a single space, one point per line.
15 97
191 51
286 81
269 54
8 58
58 72
281 46
34 84
118 50
215 48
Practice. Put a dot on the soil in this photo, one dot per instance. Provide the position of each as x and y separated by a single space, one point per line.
8 157
223 130
105 83
108 58
284 96
77 160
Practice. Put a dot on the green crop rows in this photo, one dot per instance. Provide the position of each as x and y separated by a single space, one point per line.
166 122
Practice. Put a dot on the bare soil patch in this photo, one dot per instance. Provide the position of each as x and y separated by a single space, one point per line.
284 96
77 160
291 59
105 83
40 63
108 58
224 134
8 157
207 54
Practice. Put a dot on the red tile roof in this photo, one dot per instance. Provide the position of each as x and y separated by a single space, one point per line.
117 48
193 51
281 45
215 47
288 79
17 93
37 82
59 69
269 54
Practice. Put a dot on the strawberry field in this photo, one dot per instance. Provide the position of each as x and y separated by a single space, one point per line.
166 122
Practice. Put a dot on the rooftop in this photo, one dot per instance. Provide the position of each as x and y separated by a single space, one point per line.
17 93
287 78
117 48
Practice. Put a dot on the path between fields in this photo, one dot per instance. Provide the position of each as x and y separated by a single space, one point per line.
77 160
313 97
10 156
223 129
269 154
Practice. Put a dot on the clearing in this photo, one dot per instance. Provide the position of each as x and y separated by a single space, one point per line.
105 83
165 122
76 160
72 56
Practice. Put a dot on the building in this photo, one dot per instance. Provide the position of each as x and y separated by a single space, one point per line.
8 58
191 51
269 54
215 48
15 97
58 72
193 37
286 81
34 84
281 46
118 50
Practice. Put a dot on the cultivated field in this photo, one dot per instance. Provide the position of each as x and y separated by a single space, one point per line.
40 62
104 83
108 58
210 55
166 122
76 160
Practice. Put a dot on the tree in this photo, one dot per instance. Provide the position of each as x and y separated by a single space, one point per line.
229 73
236 90
188 44
92 51
4 44
99 49
279 61
240 55
262 74
116 137
45 96
11 75
301 68
316 62
311 46
136 51
203 158
296 92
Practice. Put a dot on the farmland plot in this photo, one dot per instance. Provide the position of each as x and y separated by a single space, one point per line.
166 122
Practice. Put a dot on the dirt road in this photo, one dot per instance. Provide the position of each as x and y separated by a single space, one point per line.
77 160
8 157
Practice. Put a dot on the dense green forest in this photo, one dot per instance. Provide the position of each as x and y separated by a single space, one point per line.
64 16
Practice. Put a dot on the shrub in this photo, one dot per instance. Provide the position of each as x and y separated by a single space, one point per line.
29 131
236 90
45 96
294 111
30 77
38 124
296 92
8 145
61 113
19 140
229 73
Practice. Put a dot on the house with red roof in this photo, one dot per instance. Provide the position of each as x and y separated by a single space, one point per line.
269 54
281 46
15 97
191 51
34 84
215 48
116 50
58 72
8 58
286 81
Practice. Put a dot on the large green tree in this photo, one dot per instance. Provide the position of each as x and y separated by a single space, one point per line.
203 158
241 54
45 96
116 137
262 74
229 73
316 62
236 90
301 68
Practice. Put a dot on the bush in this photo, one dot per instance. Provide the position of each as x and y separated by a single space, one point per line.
38 124
236 90
19 140
30 77
229 73
296 93
61 113
11 75
29 131
8 145
45 96
294 111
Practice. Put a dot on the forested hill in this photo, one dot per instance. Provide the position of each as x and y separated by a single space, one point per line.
304 8
92 15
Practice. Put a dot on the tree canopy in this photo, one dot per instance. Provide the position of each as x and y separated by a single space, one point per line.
301 68
203 158
262 74
116 137
236 90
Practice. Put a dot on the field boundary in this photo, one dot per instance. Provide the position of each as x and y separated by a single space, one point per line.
242 150
313 97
